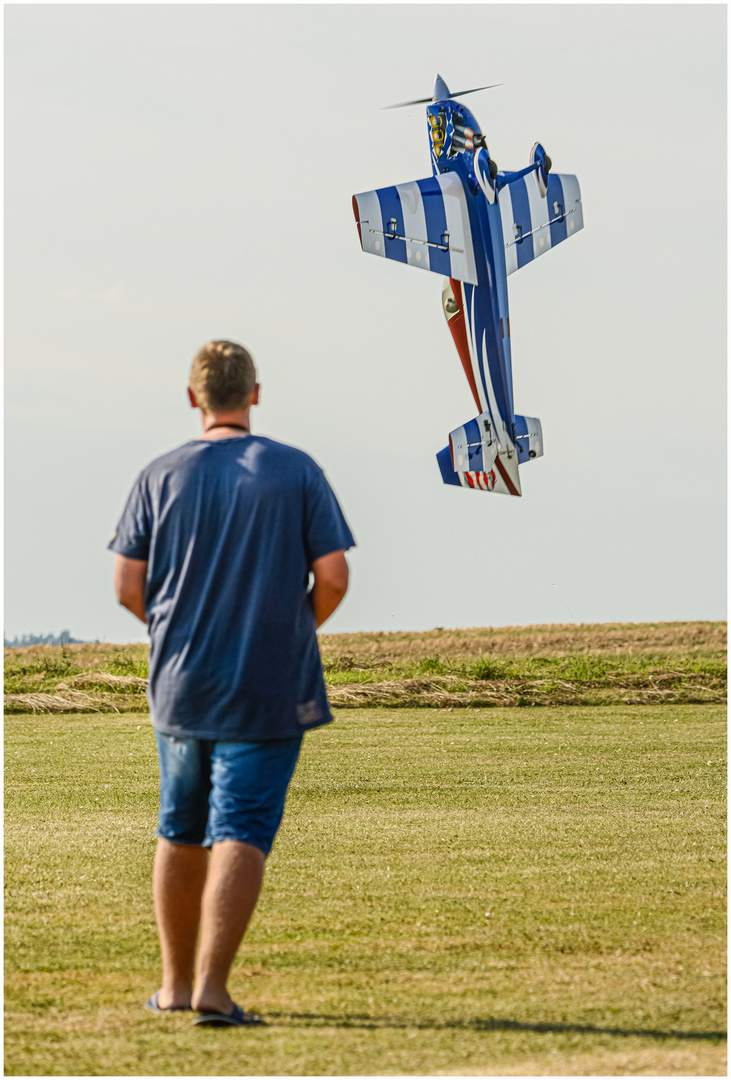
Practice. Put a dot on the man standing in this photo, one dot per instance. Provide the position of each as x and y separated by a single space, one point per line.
214 551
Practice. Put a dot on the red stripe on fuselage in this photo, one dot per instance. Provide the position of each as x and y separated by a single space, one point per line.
459 335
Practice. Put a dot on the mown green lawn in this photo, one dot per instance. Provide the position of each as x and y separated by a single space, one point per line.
468 891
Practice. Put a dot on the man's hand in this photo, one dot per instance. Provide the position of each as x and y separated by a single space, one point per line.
129 585
331 584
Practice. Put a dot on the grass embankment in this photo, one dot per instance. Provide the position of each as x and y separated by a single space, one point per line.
497 891
613 663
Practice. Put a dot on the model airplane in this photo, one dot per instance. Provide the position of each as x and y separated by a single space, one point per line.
475 224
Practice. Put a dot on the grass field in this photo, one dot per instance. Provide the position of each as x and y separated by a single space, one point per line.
606 664
500 891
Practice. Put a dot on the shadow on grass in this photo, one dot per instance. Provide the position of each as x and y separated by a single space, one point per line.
360 1020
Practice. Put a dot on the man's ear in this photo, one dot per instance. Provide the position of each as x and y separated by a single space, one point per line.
255 393
192 399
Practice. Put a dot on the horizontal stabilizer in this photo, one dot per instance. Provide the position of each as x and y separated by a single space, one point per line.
528 438
424 223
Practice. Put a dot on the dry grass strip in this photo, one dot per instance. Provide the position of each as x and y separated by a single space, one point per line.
67 701
68 698
439 691
450 691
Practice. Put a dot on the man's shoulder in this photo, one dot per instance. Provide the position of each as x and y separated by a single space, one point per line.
285 453
179 455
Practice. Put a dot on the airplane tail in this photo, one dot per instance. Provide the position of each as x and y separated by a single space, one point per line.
477 457
528 438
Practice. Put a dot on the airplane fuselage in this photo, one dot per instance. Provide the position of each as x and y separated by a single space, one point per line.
485 304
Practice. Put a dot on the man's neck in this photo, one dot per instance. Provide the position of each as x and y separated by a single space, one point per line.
225 425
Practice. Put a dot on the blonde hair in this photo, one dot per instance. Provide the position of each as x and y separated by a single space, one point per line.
222 377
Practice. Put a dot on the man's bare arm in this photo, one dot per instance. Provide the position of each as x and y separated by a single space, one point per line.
331 584
129 585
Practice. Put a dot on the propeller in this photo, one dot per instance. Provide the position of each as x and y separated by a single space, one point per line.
441 93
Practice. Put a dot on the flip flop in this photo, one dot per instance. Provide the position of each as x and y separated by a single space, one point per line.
153 1005
237 1018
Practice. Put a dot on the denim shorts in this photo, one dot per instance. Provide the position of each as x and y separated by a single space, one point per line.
212 791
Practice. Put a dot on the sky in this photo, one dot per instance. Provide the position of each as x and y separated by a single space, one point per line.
176 173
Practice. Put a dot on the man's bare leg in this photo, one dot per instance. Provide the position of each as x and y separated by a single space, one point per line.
232 889
178 881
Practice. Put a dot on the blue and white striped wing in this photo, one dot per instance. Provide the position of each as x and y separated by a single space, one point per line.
532 225
424 223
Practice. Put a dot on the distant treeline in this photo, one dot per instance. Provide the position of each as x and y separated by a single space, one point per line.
62 638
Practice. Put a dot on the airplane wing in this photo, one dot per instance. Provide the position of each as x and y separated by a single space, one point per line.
532 225
424 223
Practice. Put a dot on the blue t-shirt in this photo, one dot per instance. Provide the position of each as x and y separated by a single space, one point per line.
230 529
